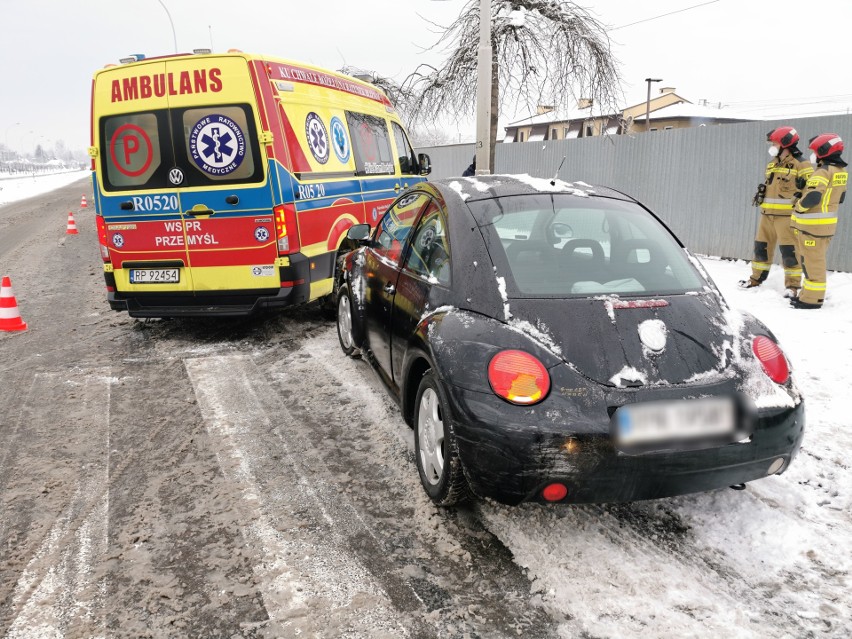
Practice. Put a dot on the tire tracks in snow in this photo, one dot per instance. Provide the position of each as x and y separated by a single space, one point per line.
464 577
50 584
298 528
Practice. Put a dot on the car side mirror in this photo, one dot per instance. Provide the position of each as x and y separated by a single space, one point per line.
425 164
356 236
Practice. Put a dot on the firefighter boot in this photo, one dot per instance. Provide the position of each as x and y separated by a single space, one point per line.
749 283
797 303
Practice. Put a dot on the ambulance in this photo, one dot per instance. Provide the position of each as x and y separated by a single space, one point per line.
224 183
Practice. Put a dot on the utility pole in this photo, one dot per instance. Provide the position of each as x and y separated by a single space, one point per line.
483 91
648 103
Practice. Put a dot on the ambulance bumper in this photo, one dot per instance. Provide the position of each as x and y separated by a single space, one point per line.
241 303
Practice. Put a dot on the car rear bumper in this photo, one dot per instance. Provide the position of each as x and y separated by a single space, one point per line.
513 465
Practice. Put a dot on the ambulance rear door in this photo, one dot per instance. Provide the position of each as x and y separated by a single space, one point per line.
221 177
137 199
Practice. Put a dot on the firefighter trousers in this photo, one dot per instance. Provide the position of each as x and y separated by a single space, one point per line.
772 230
812 251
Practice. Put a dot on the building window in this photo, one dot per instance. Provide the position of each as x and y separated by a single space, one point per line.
669 128
554 134
565 133
653 128
521 138
589 131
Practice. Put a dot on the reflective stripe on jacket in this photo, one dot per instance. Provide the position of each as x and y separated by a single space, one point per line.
781 175
820 219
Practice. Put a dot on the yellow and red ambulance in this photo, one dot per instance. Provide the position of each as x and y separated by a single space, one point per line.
224 183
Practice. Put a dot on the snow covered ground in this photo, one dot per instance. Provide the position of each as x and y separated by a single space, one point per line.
14 188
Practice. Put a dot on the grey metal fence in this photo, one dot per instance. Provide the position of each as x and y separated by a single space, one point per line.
699 180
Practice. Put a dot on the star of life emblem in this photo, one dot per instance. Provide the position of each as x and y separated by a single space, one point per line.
217 144
317 137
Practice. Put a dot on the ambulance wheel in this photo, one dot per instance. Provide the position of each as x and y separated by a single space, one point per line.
347 328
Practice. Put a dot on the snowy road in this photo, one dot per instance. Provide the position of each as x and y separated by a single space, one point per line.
244 479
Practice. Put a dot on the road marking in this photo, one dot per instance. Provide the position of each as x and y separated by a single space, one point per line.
58 588
303 574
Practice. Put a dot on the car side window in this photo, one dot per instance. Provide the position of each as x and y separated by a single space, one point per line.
395 227
404 152
429 256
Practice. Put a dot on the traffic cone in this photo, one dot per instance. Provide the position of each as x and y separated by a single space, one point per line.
10 318
83 204
72 225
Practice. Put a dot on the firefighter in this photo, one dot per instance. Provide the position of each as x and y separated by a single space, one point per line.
786 175
814 218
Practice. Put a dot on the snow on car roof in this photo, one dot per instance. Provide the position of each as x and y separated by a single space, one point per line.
490 186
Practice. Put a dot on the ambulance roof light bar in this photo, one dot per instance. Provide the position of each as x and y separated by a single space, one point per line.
202 51
133 57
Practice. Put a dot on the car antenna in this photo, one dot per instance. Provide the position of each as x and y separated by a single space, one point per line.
555 175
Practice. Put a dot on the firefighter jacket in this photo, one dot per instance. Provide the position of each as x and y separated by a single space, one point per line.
782 173
816 211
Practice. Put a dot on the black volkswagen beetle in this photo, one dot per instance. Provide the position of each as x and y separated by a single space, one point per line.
555 342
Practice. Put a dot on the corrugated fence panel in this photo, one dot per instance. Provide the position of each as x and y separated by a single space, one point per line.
700 180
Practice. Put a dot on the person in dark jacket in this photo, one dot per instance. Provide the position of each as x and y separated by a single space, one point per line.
471 170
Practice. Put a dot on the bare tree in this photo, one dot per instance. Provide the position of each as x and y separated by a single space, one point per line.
399 96
544 52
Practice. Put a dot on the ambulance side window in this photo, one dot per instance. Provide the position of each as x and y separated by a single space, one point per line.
370 144
404 152
132 150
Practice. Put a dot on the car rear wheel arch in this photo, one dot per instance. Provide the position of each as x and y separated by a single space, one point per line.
418 366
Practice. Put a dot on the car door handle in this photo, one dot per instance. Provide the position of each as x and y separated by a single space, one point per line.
389 288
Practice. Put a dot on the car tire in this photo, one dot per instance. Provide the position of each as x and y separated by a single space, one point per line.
435 448
347 332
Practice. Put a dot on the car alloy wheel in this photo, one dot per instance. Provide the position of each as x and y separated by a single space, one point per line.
435 449
431 437
344 322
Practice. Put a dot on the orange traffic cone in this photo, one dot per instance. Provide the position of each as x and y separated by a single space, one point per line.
72 225
83 204
10 318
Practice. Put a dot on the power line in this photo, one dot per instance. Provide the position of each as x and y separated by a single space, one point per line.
671 13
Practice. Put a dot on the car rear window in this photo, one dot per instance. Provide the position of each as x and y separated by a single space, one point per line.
565 245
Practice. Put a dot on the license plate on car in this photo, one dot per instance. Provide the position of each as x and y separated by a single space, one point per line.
154 275
676 421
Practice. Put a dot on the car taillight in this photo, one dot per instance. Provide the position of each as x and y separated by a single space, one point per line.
285 229
771 357
518 377
102 238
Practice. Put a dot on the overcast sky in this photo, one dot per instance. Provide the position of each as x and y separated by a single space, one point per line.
782 55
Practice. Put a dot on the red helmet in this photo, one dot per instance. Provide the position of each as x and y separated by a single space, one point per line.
783 136
826 144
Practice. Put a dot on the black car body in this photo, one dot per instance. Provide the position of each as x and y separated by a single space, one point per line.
647 384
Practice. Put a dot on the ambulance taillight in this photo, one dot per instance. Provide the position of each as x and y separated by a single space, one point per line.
102 237
285 229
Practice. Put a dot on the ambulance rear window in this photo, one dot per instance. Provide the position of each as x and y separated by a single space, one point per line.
220 145
370 144
133 153
211 145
